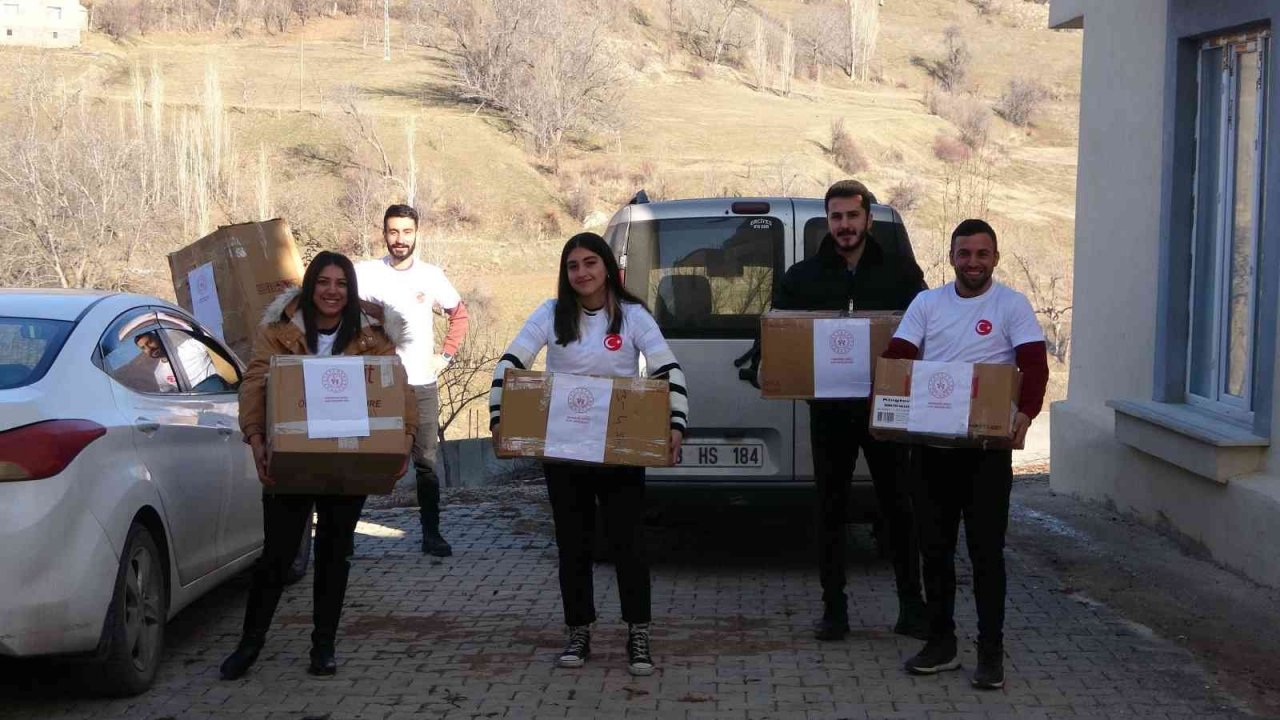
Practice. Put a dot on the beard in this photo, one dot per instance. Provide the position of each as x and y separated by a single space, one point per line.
399 253
850 241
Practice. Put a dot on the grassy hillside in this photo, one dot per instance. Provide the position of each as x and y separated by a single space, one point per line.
498 213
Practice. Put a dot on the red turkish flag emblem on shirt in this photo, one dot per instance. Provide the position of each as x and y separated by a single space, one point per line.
613 342
983 327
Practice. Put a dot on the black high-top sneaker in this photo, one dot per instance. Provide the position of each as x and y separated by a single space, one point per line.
639 660
578 648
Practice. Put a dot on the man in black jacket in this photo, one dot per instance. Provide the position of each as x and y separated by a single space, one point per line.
852 271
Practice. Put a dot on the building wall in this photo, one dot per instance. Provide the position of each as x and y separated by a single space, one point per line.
1121 182
42 23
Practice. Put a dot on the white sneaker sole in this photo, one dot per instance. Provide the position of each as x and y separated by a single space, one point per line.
640 670
570 662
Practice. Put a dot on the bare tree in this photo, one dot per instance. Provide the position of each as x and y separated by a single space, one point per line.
864 31
468 378
544 64
1050 295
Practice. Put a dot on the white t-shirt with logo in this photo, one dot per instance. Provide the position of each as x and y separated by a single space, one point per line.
982 329
195 361
413 292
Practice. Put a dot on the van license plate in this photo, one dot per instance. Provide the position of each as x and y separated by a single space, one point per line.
745 454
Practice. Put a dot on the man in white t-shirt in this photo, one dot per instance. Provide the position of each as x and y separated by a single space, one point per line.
978 320
199 368
416 289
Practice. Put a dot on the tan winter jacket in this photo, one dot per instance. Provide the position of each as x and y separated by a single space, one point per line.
281 332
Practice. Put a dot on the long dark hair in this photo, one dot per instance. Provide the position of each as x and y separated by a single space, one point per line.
567 298
350 324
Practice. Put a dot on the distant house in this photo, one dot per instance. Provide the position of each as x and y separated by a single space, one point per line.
42 23
1173 410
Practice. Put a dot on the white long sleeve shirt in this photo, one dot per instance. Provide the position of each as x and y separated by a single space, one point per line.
596 352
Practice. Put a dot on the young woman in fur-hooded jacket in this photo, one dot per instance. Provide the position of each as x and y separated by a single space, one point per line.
325 317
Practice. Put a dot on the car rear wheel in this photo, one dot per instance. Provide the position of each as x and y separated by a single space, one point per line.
135 620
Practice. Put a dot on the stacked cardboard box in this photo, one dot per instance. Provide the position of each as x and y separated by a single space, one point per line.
336 424
614 421
816 354
953 404
228 278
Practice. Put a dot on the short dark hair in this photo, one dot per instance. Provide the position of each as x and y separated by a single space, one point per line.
848 189
399 211
973 226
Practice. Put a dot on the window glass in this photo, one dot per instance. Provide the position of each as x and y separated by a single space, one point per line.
1241 258
133 354
706 277
204 370
28 347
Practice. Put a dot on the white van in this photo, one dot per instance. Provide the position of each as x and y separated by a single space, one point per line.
708 268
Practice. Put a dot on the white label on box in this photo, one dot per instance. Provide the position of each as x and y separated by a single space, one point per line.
841 358
891 412
940 398
578 418
204 299
337 404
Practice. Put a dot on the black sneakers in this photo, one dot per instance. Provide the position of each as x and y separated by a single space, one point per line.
578 648
434 544
834 624
990 672
639 661
937 656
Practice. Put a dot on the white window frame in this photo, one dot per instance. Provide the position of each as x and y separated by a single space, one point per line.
1236 408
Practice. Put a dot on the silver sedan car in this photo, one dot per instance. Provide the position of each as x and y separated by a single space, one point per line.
125 489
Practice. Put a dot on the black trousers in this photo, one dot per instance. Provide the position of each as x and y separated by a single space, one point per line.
574 491
837 429
972 484
283 520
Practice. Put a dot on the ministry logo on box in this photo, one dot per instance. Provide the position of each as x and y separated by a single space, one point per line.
841 342
335 380
581 400
941 385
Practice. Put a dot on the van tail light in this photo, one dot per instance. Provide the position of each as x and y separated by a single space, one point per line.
44 449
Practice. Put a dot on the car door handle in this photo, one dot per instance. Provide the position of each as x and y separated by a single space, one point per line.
146 426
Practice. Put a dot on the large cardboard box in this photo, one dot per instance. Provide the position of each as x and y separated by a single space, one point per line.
952 404
364 461
822 354
228 277
579 418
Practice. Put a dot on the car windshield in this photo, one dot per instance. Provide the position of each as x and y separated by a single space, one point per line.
27 348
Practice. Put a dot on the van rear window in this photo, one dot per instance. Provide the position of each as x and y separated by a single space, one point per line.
27 349
706 277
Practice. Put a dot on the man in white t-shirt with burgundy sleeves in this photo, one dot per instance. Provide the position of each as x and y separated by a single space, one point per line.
416 289
973 319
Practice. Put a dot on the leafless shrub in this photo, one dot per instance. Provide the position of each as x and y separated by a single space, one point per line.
457 211
948 148
845 151
707 28
543 64
969 114
906 195
1021 101
984 7
951 71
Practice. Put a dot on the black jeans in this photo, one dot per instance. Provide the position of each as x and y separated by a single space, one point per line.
973 484
426 458
837 429
283 520
574 491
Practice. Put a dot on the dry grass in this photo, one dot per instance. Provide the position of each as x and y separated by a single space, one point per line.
690 130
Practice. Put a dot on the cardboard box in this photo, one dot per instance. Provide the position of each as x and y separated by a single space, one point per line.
368 465
228 278
821 354
953 404
577 418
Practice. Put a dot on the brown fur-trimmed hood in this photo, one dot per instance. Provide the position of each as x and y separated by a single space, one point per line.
284 310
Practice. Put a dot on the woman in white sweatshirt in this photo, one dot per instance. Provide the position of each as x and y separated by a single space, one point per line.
596 327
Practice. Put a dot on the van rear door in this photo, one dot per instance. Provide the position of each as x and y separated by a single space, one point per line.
708 269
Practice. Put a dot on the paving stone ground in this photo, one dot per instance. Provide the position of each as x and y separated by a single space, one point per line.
733 598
